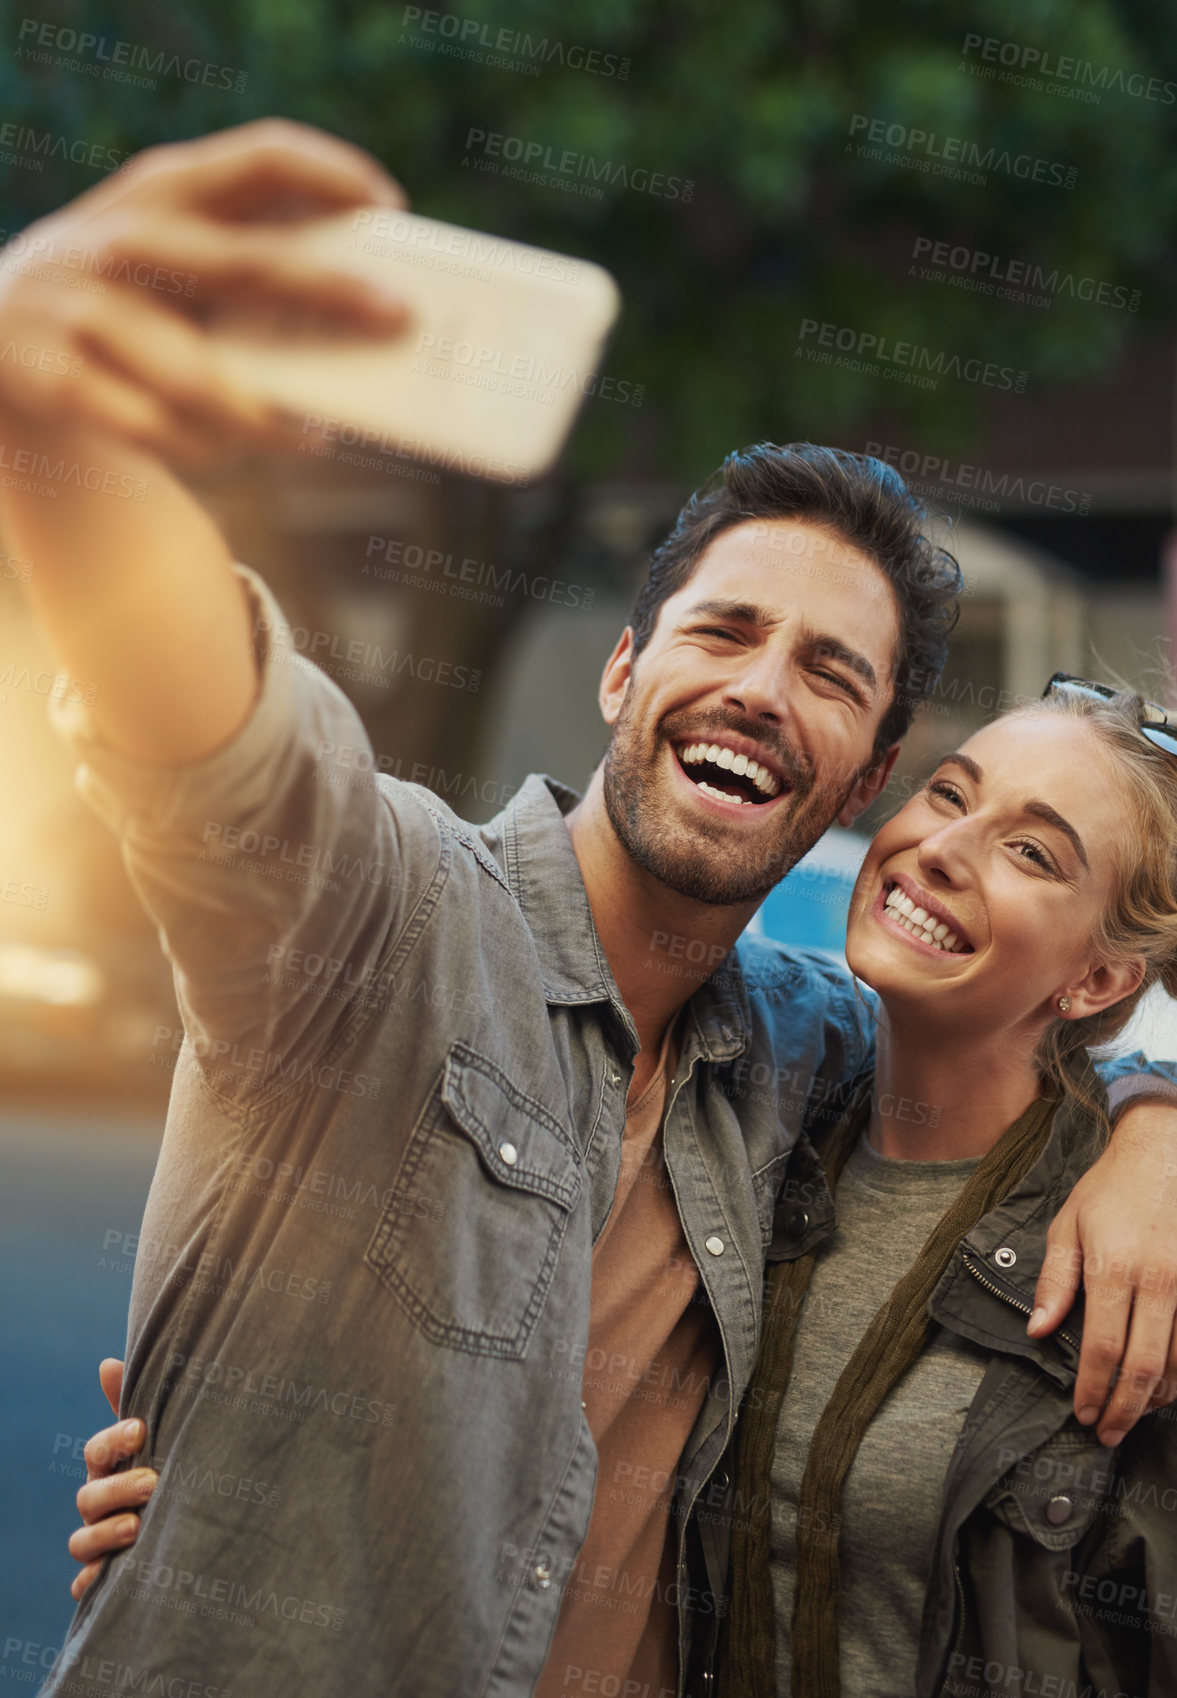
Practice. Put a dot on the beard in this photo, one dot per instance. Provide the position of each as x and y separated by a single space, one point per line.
703 859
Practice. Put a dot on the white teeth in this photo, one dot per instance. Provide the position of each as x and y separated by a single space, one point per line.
920 923
712 791
694 754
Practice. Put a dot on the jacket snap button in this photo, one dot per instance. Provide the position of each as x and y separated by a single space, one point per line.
1005 1257
543 1574
1059 1509
509 1153
714 1245
723 1480
796 1221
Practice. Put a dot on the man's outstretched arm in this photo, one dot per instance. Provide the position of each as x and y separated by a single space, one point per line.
203 726
138 596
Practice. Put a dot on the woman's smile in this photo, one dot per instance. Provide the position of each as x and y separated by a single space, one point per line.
903 907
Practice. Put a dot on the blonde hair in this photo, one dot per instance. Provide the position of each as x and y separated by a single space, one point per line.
1140 921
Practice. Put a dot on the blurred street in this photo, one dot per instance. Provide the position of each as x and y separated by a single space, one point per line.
74 1186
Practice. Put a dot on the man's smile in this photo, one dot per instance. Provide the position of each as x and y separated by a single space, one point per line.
732 769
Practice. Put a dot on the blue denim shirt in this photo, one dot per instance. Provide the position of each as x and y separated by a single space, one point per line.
361 1297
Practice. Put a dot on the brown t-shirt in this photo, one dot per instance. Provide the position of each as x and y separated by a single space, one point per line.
653 1345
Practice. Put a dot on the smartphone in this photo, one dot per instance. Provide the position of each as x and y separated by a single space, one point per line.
503 344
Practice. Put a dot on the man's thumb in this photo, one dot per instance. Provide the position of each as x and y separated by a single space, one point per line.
110 1378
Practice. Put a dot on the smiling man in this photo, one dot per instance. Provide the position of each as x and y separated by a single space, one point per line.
458 1245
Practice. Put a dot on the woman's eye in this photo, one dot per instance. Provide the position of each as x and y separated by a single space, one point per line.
1034 853
939 787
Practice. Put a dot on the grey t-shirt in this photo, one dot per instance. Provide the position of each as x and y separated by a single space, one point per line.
891 1499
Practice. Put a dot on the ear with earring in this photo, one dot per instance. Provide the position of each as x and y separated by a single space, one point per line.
1063 1004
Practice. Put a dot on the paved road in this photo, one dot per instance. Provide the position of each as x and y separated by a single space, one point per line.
70 1189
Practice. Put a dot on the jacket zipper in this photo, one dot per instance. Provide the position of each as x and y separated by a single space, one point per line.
959 1617
1009 1295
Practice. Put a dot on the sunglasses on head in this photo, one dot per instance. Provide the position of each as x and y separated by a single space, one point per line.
1154 721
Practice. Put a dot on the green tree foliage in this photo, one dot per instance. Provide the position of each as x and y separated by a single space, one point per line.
753 104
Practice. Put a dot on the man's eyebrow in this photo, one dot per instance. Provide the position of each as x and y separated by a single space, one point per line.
743 612
833 648
750 613
1039 810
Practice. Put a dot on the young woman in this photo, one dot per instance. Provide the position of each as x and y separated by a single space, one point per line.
916 1510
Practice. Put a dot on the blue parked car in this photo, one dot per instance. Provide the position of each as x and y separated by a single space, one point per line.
810 906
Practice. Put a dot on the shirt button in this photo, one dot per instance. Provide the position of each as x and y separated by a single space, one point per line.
543 1574
1005 1257
796 1221
615 1078
1059 1509
714 1246
509 1153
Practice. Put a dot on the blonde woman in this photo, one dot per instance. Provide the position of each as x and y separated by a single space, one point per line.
916 1507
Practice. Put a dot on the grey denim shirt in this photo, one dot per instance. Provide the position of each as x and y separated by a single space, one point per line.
361 1298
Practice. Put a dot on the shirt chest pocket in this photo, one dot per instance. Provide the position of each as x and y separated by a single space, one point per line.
1057 1493
473 1224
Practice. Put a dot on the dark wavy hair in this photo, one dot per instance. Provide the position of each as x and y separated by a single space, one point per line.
855 498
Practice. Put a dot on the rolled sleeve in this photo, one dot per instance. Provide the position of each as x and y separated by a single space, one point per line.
1135 1078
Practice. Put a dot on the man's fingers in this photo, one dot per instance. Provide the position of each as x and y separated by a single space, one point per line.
1058 1283
1165 1391
101 400
91 1544
111 1446
129 1489
196 262
110 1378
1105 1332
190 237
141 343
113 404
1143 1366
84 1579
272 164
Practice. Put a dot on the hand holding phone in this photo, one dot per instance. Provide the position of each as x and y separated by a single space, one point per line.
502 344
